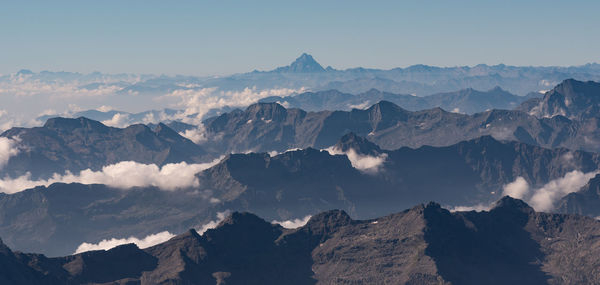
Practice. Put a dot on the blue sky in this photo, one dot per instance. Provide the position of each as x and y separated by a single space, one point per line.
224 37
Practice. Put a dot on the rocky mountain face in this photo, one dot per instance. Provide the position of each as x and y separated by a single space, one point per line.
75 144
467 101
423 245
370 182
573 99
265 127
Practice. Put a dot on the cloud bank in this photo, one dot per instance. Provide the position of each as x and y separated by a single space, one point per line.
125 174
197 102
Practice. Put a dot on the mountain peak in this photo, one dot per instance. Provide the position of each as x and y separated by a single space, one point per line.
510 204
303 64
357 143
69 124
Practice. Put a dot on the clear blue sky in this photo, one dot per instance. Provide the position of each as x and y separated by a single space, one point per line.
223 37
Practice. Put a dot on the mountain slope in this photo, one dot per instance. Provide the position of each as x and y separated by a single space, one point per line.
424 245
265 127
365 182
573 99
75 144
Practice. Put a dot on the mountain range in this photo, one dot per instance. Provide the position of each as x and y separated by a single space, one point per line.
426 244
467 101
355 175
270 126
64 144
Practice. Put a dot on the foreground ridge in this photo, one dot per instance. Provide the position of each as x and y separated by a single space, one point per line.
426 244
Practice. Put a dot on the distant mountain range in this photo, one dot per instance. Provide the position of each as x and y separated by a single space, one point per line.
467 101
56 219
52 93
421 80
510 244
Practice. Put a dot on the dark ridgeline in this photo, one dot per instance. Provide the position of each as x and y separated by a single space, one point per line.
510 244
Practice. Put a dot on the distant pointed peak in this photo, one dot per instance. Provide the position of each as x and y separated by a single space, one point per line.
305 63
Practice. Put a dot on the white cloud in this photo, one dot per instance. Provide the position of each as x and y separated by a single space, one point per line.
196 135
543 198
517 189
361 106
104 108
8 149
213 224
292 224
6 121
478 208
199 101
145 242
118 120
124 175
457 110
26 86
365 163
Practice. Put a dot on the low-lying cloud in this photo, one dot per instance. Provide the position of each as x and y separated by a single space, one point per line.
107 244
197 102
197 135
543 199
365 163
478 208
214 223
293 224
8 149
118 120
125 174
517 189
147 241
